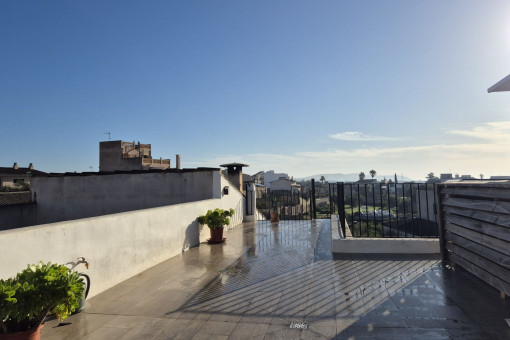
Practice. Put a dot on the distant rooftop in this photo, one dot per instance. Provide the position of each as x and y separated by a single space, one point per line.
15 170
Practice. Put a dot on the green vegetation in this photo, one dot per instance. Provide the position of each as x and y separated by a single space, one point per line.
432 179
216 218
20 186
26 299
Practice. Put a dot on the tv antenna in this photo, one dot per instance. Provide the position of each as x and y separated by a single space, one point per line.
108 133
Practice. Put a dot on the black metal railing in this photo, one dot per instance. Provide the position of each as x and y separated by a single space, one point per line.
290 205
385 209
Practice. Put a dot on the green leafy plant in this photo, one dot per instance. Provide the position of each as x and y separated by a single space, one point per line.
26 299
216 218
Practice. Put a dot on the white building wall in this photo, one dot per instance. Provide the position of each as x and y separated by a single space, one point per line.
117 246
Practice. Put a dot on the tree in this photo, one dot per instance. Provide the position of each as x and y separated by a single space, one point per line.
431 178
481 176
361 176
373 173
323 179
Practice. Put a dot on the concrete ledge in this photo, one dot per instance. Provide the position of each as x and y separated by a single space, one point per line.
363 245
249 218
385 246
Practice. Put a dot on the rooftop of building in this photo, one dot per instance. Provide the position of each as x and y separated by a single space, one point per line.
268 278
16 170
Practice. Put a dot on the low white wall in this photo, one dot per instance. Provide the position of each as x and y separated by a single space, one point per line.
364 245
117 246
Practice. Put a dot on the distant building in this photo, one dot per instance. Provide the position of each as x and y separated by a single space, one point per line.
125 156
445 177
13 175
258 178
456 178
270 176
285 184
500 177
466 177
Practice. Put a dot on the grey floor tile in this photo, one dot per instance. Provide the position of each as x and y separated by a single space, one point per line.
106 333
245 330
180 329
218 327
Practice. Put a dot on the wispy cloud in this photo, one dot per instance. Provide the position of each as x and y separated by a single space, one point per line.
493 131
358 137
487 155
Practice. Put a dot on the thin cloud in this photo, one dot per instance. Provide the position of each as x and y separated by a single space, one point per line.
485 156
494 131
407 151
356 136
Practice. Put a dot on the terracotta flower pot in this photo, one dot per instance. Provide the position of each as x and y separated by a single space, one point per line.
216 235
31 334
275 217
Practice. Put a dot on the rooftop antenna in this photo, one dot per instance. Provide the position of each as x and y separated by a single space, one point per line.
108 133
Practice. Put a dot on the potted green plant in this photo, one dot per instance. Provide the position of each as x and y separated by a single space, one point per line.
31 295
275 217
216 220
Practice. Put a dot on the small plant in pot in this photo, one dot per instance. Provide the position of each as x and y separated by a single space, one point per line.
31 295
275 217
216 219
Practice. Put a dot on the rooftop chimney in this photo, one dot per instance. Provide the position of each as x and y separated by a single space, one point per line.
31 166
235 174
15 166
177 161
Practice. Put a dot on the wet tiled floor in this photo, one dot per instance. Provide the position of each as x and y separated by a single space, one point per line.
268 275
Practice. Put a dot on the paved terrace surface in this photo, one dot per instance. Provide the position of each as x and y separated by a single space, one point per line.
268 275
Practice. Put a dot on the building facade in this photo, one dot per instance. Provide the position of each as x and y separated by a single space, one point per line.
125 156
10 176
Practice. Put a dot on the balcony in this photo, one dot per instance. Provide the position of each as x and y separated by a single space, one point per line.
282 281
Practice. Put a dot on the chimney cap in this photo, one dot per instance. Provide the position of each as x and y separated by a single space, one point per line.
229 165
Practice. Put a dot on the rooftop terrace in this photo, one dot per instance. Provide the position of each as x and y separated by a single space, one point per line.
267 276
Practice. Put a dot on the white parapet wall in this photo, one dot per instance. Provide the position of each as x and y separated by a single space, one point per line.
63 197
117 246
363 245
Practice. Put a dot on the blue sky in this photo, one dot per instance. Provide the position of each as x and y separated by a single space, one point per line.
302 87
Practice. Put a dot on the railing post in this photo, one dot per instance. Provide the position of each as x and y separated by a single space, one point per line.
341 205
330 194
314 210
440 225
